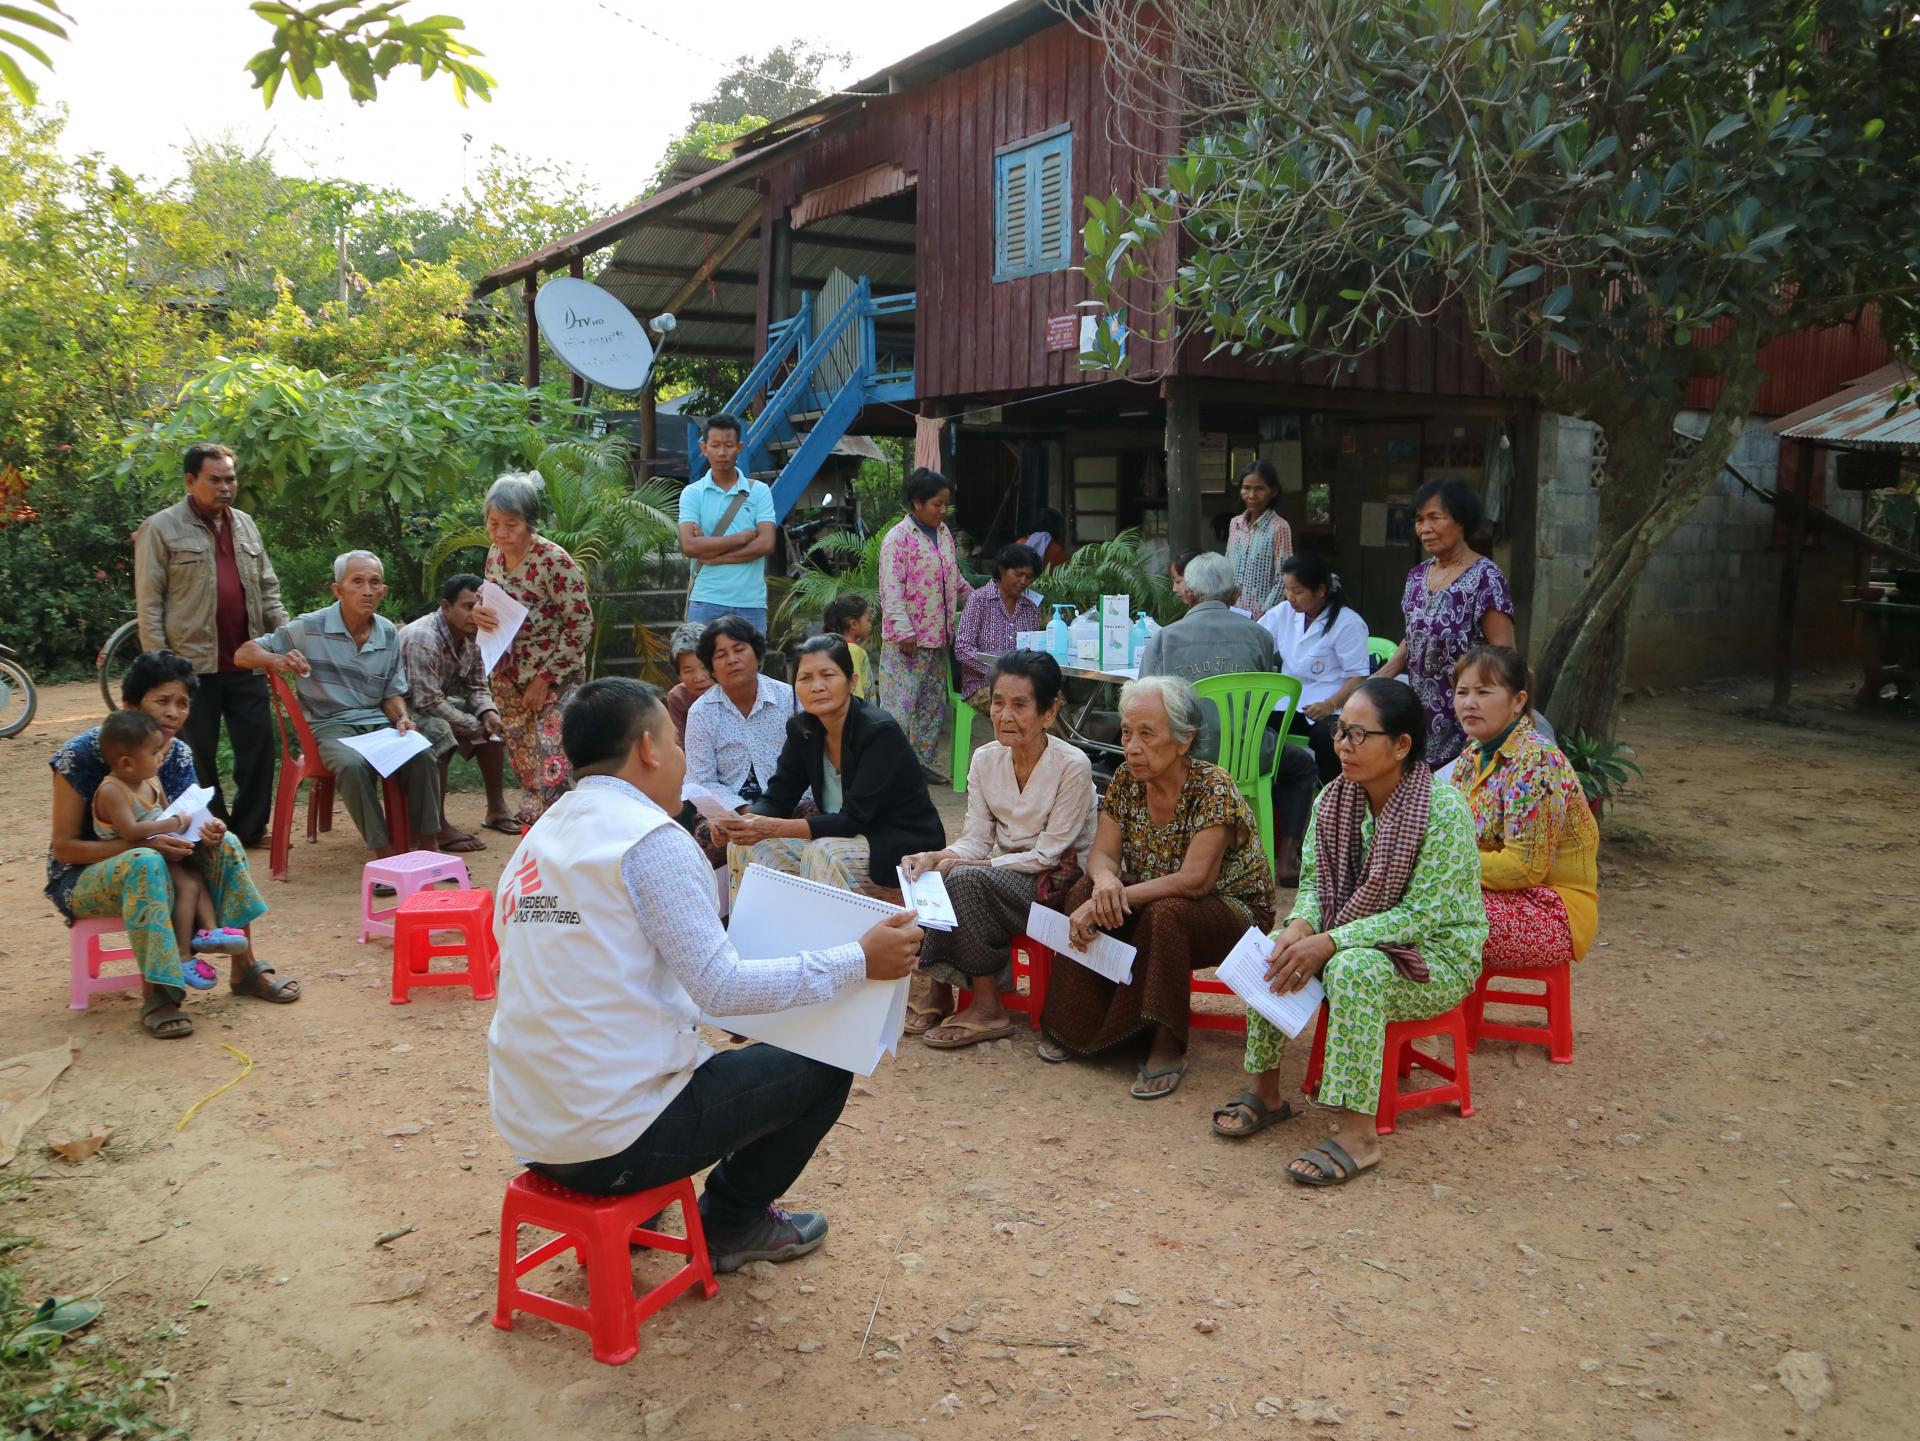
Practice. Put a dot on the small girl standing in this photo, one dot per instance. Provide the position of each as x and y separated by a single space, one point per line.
128 805
850 617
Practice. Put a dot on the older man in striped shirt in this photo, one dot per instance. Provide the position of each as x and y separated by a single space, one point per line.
351 680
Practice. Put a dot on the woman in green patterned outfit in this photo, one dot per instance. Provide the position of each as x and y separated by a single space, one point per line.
1388 916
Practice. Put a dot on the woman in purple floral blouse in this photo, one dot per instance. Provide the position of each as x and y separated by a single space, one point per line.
1455 600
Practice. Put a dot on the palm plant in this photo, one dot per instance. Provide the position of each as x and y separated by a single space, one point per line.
817 585
1110 567
616 530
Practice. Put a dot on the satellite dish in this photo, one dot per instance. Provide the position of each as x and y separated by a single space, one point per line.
595 336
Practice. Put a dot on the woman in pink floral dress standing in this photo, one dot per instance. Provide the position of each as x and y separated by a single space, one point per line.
548 659
920 595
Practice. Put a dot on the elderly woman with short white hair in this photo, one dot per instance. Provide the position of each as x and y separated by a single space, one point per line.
1176 871
547 661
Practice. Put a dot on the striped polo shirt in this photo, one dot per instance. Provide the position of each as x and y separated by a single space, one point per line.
349 681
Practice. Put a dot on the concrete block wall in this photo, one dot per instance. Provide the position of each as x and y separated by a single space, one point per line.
1706 604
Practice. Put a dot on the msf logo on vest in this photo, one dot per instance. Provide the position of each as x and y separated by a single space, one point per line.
522 899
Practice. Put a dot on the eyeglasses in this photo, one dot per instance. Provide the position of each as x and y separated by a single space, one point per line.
1344 734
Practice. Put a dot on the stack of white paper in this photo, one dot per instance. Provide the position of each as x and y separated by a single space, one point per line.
1105 957
388 749
776 915
929 897
191 802
1244 972
495 643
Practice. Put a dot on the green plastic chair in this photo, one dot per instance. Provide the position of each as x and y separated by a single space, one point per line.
1245 700
964 716
1380 650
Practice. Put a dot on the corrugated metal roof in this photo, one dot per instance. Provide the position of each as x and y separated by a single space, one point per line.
671 202
875 183
1867 414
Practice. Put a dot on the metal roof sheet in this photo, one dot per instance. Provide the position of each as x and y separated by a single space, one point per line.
1867 413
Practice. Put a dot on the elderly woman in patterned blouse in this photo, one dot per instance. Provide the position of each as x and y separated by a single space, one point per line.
547 661
1176 871
1388 917
1539 846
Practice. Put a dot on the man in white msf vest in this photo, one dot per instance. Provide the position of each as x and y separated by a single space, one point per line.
610 949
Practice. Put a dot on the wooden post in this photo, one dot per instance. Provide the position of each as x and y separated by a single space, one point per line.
1186 524
1797 525
577 268
528 291
649 431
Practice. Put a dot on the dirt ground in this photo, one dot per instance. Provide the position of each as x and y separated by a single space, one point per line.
1626 1247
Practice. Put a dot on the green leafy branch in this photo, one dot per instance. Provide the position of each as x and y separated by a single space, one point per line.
15 79
366 44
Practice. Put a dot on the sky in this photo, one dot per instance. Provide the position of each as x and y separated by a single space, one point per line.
577 82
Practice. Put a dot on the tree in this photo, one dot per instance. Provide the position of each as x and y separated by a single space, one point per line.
365 42
1618 198
780 82
381 464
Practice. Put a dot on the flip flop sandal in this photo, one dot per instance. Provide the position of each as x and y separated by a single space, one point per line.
465 846
1258 1111
975 1034
169 1028
506 825
253 982
1145 1075
916 1026
1331 1160
1053 1053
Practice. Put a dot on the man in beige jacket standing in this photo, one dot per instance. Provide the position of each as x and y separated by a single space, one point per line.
204 587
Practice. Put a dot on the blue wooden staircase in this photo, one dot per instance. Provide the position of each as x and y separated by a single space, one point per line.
816 381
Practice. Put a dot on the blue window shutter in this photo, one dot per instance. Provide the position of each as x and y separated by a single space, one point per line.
1033 204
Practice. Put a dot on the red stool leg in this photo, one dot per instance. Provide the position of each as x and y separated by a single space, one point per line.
612 1325
1311 1083
1461 1051
480 962
1393 1065
697 1256
1476 1009
507 1291
1560 1014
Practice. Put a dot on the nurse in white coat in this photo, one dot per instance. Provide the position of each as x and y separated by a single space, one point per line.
1322 643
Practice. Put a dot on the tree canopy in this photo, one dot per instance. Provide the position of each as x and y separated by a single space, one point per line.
1617 198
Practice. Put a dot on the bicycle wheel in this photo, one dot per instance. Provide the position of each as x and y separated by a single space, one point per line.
18 699
120 651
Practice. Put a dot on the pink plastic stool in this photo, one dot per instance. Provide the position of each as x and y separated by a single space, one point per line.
90 952
408 874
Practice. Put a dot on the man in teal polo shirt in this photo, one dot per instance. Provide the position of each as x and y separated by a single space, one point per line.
726 530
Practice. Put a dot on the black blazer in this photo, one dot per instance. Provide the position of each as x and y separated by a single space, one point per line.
883 792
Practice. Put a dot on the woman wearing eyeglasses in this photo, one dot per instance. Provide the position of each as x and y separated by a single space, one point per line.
1389 918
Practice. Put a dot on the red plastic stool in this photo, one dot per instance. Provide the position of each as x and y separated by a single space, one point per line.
1214 1020
1401 1057
415 923
1034 961
1556 1001
599 1230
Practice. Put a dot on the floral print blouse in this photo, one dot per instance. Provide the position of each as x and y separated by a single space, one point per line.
1209 798
986 629
1534 826
80 763
558 630
1256 553
920 585
1441 911
1442 626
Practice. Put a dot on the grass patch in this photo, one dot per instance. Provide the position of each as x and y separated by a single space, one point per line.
54 1385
